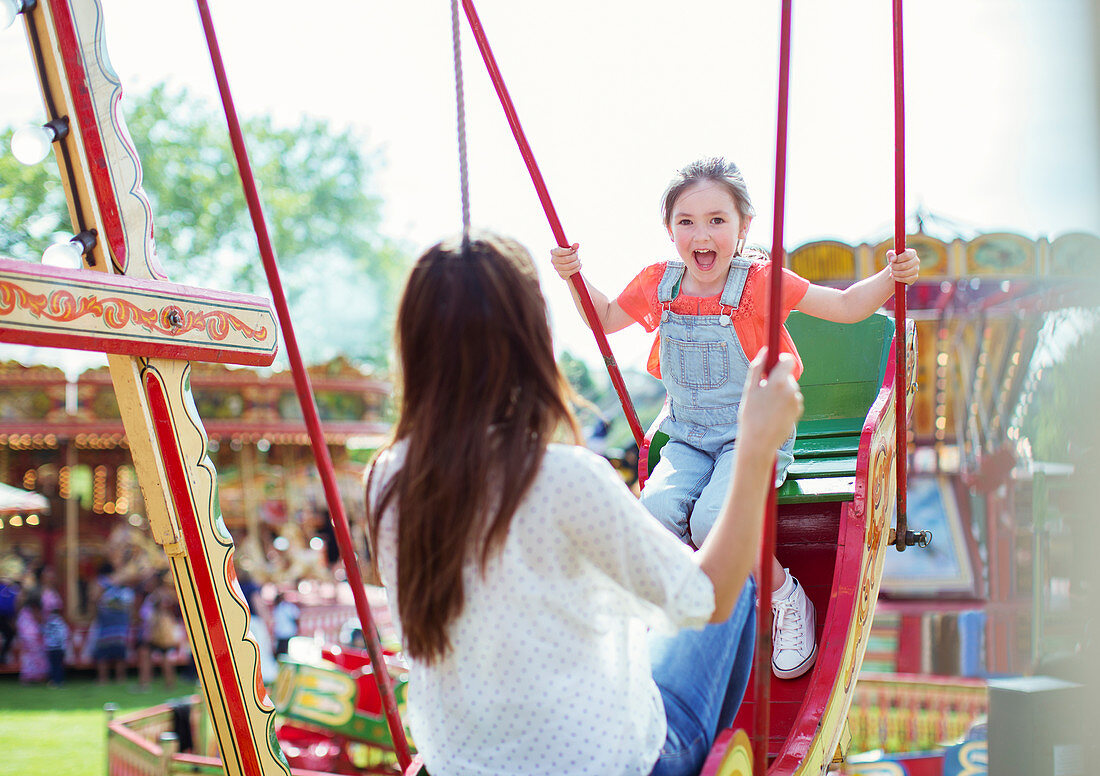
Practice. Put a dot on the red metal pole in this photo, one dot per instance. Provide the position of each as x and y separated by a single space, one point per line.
555 223
305 397
900 387
762 666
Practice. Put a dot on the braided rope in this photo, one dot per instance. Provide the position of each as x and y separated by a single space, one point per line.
460 103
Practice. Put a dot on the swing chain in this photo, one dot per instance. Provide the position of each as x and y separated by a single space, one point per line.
460 102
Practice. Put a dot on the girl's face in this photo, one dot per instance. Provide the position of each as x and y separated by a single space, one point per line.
705 226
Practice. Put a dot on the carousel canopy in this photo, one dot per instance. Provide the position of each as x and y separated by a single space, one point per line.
16 500
43 403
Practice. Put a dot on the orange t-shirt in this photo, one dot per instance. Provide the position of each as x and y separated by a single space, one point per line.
639 301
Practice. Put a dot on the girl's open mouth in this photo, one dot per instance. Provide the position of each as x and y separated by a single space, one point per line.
705 259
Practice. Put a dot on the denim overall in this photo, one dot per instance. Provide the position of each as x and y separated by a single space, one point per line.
703 367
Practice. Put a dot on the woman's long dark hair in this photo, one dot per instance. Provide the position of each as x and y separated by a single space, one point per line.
482 397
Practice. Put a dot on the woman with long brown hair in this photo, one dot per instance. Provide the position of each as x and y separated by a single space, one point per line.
525 573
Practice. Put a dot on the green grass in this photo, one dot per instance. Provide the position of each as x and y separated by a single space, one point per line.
63 731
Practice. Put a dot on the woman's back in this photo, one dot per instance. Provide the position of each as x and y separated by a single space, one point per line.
548 671
523 573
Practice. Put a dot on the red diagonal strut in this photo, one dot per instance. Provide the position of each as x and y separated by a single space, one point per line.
304 390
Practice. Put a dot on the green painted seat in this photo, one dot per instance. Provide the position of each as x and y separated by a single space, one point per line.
843 369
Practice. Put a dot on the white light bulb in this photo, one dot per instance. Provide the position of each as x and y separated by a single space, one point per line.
32 144
9 9
63 254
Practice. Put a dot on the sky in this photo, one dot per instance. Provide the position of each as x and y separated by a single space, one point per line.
1002 112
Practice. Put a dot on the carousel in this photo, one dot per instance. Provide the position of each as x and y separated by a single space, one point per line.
63 437
978 314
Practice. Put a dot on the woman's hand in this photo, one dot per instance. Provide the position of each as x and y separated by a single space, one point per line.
611 317
770 405
567 261
904 268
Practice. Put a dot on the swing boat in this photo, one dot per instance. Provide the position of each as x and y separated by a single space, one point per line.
832 524
833 509
833 529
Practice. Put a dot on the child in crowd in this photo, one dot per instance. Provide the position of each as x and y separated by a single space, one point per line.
47 586
521 572
9 607
33 666
114 603
284 623
162 638
55 638
259 625
710 308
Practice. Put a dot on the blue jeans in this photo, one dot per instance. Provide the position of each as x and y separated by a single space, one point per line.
688 487
702 677
57 665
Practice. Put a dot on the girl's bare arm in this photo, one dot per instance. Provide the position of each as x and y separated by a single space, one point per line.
856 302
566 263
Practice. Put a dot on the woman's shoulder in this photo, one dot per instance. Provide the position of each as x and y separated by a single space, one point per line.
577 455
576 461
383 466
391 455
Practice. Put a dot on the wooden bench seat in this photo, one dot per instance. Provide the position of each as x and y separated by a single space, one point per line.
843 368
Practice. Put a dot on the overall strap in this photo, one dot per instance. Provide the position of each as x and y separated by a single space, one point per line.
669 286
735 283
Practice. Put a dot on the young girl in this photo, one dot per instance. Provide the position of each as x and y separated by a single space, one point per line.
711 309
522 571
55 639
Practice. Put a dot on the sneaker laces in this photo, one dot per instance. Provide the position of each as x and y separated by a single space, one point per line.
786 633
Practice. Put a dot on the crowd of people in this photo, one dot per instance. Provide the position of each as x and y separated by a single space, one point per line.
136 621
30 616
126 614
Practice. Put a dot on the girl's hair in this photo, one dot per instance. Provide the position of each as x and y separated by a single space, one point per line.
482 397
714 168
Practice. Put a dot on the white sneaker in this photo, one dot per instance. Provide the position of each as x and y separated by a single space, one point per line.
794 642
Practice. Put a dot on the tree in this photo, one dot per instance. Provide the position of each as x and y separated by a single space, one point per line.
579 377
1060 426
600 402
341 275
32 205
